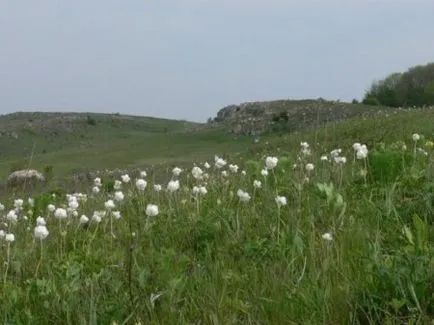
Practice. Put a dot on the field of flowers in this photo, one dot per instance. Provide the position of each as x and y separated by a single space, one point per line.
310 237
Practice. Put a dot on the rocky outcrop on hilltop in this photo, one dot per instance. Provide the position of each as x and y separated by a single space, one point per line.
253 118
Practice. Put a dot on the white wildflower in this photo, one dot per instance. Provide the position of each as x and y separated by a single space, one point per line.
152 210
60 213
271 162
141 184
243 196
173 185
281 201
41 232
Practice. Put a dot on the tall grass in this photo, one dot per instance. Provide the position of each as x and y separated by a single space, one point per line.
353 245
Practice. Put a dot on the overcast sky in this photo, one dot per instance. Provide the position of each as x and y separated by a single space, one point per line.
189 58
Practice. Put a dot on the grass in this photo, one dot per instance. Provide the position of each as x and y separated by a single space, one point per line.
214 259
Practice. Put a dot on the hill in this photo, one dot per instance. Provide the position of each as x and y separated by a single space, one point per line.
292 115
78 142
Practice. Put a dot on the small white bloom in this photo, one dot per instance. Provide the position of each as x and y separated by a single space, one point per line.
173 185
40 221
243 172
125 178
151 210
280 200
31 202
117 185
197 172
51 207
243 196
73 204
18 204
2 207
224 173
143 174
340 160
324 158
257 184
116 215
233 168
264 172
41 232
2 234
95 190
141 184
356 146
96 218
271 162
219 162
109 204
203 190
84 219
97 182
310 167
10 238
416 137
327 236
12 216
206 165
176 171
157 187
60 213
119 196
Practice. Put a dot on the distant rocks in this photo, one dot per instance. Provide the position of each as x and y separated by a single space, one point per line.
20 177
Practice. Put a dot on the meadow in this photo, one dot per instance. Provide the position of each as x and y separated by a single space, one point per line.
330 225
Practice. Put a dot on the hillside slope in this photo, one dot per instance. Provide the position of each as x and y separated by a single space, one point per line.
292 115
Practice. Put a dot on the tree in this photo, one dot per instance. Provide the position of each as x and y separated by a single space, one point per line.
411 88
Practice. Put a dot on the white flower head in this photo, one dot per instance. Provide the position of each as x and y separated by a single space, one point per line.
206 165
143 174
97 182
219 162
257 184
271 162
40 221
12 216
95 190
10 238
173 185
197 172
117 215
176 171
310 167
152 210
41 232
51 207
243 196
83 219
117 185
324 158
126 178
233 168
327 236
280 201
157 187
119 196
264 172
141 184
415 137
60 213
109 204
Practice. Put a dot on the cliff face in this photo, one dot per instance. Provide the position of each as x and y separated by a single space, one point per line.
290 115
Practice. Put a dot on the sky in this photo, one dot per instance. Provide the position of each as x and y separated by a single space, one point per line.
186 59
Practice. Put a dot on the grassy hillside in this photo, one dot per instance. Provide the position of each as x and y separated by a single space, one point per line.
76 142
313 241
